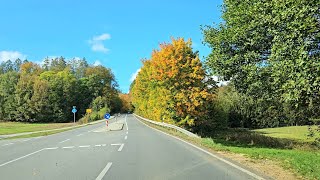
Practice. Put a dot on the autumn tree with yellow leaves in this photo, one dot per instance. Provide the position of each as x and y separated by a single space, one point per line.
173 86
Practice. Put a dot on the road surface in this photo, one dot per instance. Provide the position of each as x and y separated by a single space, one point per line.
135 152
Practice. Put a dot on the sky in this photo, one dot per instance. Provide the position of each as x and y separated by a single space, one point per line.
114 33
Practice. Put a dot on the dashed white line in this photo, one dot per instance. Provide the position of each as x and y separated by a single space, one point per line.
103 144
25 140
52 148
127 132
104 171
126 137
20 158
85 146
68 147
79 134
125 119
7 144
115 144
98 145
64 141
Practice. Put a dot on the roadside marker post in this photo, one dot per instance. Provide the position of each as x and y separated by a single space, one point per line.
74 110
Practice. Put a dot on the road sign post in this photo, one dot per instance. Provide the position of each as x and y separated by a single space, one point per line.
74 110
107 117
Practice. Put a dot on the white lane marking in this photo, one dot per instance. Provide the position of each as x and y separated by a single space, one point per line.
85 146
64 141
79 134
120 148
68 147
98 145
104 171
115 144
209 153
25 140
20 158
52 148
103 144
127 132
38 137
7 144
126 137
125 119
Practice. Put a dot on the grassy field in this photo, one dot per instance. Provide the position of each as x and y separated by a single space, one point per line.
293 132
18 127
297 156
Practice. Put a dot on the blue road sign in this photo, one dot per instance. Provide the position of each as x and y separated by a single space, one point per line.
107 116
74 110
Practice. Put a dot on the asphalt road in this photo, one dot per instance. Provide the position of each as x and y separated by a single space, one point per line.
136 152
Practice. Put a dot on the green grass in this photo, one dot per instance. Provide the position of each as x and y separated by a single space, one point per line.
41 133
303 162
293 132
18 127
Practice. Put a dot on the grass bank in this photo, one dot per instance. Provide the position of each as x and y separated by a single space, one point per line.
19 127
298 157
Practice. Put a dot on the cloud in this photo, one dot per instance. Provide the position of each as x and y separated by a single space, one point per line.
97 43
11 55
134 75
97 63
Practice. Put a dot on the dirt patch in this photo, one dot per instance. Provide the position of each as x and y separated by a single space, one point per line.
264 166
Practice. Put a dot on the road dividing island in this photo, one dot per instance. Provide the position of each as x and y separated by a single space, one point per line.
115 126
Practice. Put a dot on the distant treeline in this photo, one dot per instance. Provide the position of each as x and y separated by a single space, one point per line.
30 92
268 50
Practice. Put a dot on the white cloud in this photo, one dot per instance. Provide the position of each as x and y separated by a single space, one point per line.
11 55
134 75
99 47
219 82
97 63
102 37
97 43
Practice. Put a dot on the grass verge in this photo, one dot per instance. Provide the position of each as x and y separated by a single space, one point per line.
19 127
42 133
304 164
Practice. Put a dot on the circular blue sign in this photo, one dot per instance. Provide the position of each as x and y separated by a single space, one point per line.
107 116
74 110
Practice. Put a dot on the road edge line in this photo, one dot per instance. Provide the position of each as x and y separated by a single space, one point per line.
21 157
209 153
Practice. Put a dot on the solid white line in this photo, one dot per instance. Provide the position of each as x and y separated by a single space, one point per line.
104 171
7 144
20 158
209 153
120 148
68 147
64 141
79 134
52 148
126 137
85 146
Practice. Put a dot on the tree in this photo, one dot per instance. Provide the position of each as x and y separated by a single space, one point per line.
171 85
270 51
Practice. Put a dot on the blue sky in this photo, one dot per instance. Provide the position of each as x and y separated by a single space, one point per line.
115 33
